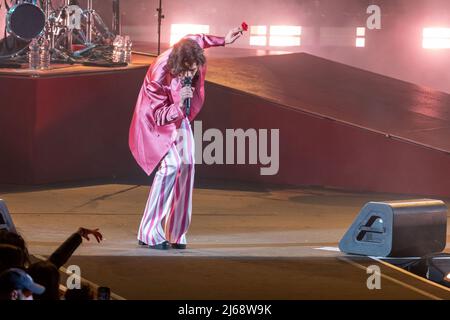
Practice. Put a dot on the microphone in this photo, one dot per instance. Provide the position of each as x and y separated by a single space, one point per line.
187 82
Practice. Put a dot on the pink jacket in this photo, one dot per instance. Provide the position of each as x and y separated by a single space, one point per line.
157 114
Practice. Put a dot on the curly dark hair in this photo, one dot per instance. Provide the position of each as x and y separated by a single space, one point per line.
185 53
14 239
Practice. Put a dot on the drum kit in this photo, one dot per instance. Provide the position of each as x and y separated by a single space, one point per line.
66 26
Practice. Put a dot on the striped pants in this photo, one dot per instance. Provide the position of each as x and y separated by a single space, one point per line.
167 215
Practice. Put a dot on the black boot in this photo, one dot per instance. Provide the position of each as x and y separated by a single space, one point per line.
178 246
160 246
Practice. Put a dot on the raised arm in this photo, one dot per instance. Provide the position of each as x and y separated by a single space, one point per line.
207 41
68 247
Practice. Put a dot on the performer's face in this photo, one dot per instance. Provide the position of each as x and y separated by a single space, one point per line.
190 70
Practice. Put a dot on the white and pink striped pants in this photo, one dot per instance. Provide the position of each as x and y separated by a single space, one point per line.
167 215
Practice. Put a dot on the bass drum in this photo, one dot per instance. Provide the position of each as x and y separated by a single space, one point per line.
25 21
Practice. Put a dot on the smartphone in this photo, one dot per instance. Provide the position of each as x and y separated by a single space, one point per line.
103 293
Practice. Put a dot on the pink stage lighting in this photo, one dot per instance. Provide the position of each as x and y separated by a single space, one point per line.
436 38
258 36
178 31
360 37
278 36
285 36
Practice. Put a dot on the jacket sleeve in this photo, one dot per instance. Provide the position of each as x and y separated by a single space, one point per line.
164 112
65 250
207 41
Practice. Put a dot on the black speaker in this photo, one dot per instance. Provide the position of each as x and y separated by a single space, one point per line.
408 228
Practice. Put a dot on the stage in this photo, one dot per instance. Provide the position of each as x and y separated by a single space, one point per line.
246 241
347 137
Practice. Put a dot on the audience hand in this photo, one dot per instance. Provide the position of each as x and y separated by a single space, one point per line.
86 232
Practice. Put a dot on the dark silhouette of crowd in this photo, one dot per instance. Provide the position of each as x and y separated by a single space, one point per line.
23 278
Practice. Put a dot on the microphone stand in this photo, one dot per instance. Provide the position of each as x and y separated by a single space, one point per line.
116 18
160 18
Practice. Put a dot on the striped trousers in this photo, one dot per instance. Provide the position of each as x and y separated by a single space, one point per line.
167 215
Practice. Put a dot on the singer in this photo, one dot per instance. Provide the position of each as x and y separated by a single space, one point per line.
160 133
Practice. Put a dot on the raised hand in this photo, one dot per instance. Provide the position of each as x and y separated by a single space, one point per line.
233 35
86 232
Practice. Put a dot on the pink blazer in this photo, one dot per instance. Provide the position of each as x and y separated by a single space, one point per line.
157 114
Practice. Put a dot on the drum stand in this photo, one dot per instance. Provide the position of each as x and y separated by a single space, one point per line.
55 53
89 22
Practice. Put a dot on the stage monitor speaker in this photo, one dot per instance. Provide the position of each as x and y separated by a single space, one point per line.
408 228
5 218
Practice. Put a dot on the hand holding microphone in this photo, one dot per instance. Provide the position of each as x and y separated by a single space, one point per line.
186 93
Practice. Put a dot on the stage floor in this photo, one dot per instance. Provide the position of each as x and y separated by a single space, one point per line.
246 241
142 58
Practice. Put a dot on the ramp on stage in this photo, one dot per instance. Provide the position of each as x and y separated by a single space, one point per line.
339 126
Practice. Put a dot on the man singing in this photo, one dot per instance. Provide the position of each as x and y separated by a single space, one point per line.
171 96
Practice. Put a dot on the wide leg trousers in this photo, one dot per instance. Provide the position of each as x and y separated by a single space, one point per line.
168 211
